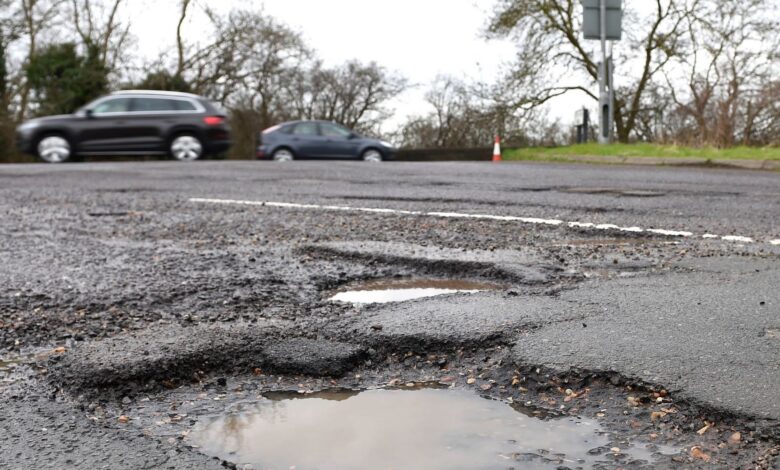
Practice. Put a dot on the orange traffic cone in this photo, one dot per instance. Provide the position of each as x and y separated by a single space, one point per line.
497 150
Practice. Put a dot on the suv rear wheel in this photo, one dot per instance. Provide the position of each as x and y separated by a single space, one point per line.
186 148
54 148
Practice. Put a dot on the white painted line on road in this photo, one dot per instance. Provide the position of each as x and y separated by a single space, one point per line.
670 233
461 215
733 238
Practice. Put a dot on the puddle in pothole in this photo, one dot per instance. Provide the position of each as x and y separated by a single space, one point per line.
400 290
397 429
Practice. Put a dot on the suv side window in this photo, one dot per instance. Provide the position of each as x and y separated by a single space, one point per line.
332 130
154 105
115 105
306 128
183 105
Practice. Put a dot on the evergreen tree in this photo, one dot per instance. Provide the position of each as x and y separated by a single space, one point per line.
63 80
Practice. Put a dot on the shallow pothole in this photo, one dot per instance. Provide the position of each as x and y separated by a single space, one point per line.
399 290
420 429
7 366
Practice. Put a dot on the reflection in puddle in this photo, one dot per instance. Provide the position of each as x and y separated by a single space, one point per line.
396 429
386 291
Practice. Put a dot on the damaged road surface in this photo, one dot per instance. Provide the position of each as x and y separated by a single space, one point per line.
247 315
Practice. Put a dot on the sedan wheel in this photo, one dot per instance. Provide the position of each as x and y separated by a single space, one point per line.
373 156
186 148
54 149
283 155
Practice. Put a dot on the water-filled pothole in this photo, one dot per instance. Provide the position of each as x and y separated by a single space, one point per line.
421 429
400 290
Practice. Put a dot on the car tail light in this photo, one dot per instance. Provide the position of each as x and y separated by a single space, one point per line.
214 120
270 129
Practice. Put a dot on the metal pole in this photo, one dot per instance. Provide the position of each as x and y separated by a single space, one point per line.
605 105
611 95
585 124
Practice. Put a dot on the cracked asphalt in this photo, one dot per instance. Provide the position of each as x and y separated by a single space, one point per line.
124 302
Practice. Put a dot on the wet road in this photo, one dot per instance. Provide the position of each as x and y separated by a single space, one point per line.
658 276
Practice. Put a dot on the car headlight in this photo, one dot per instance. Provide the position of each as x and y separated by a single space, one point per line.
386 144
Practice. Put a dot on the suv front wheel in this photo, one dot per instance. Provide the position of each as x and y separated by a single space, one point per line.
186 148
54 148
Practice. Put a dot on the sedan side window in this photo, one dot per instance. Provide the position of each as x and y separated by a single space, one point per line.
332 130
306 128
117 105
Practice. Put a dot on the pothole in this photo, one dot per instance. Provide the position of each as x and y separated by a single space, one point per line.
31 357
420 429
614 191
400 290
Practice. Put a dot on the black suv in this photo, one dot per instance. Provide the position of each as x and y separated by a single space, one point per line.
184 126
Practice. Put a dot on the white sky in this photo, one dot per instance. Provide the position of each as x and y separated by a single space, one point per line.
418 38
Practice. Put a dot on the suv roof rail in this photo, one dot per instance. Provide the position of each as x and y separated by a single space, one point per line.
155 92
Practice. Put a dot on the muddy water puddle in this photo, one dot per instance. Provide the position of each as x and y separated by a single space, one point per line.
396 429
400 290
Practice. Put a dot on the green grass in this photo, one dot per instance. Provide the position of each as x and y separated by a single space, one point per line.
645 150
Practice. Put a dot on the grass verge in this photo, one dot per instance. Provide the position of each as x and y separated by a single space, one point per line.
646 151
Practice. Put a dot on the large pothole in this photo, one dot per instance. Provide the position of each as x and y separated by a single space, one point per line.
421 429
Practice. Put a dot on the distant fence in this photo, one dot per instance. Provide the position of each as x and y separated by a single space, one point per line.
445 155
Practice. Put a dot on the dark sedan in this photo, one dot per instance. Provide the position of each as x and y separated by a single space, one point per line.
184 126
320 140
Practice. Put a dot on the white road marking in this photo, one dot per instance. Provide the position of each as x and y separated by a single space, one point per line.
460 215
670 233
733 238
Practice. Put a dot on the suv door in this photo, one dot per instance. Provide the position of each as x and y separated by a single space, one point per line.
150 120
306 140
104 128
340 142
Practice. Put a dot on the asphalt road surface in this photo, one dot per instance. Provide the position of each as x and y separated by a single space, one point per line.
646 298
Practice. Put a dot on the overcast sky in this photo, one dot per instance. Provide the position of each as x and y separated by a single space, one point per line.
418 38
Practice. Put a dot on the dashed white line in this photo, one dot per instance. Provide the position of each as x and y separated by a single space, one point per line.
733 238
501 218
670 233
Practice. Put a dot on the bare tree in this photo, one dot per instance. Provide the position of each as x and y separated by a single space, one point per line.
729 75
353 94
553 60
99 27
463 117
185 4
36 16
